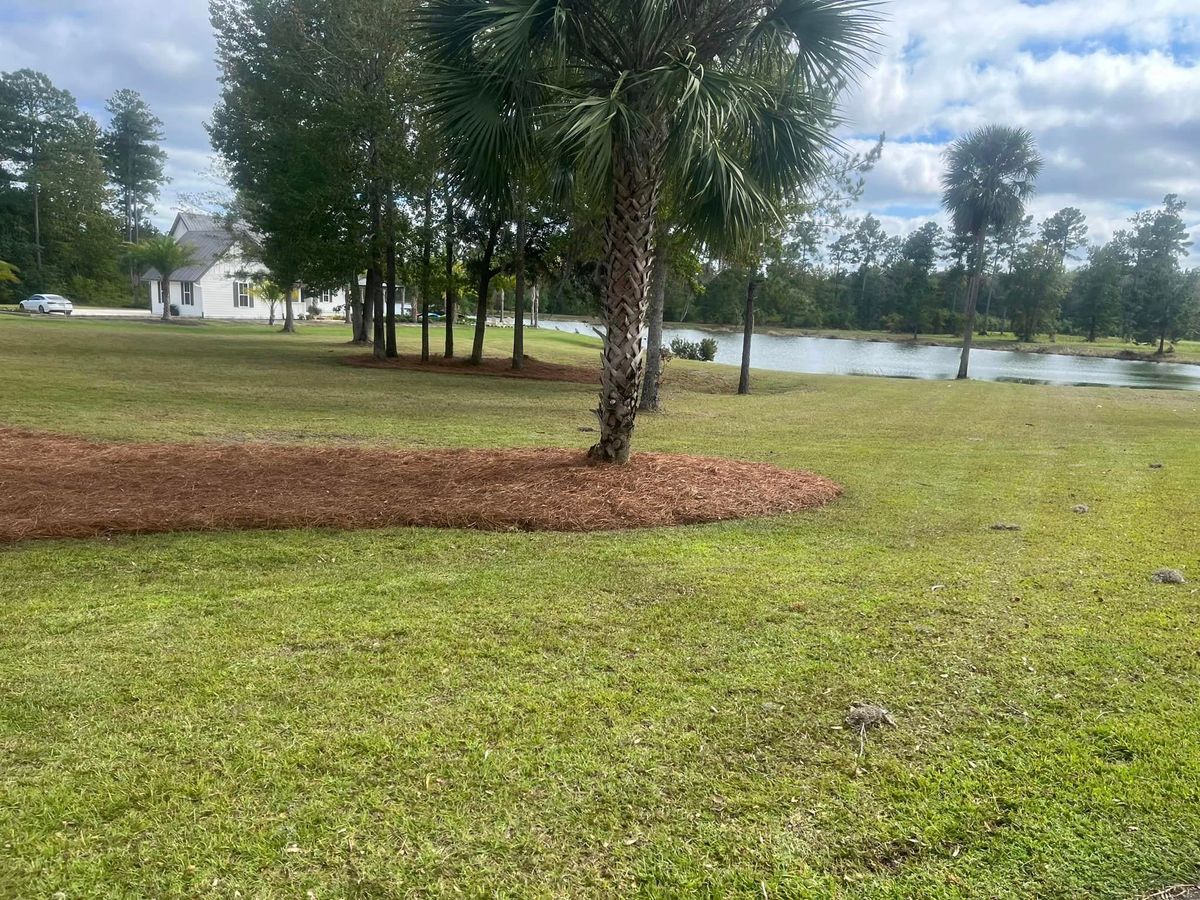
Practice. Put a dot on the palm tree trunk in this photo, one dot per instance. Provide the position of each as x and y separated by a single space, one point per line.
658 295
289 320
972 301
625 282
518 355
164 294
451 298
748 332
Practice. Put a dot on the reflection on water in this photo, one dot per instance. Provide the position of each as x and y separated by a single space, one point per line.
836 356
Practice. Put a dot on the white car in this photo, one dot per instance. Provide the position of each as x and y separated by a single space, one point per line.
47 303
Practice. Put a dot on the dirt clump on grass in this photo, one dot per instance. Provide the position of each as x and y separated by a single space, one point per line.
534 369
59 486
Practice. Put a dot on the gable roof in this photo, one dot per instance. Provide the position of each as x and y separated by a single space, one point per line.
192 221
207 237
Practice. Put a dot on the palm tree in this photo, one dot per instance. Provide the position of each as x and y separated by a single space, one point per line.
166 256
727 104
990 173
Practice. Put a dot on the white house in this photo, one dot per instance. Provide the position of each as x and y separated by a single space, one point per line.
217 285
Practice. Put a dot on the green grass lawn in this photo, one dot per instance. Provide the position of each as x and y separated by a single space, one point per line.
416 712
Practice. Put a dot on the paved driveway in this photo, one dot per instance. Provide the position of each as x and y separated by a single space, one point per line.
103 312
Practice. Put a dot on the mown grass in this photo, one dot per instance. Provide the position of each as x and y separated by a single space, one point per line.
415 712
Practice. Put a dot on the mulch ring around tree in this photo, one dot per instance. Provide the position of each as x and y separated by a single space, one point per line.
532 368
58 486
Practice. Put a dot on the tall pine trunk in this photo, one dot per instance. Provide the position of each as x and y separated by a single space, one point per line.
518 355
368 306
748 332
451 293
390 336
625 283
658 295
358 319
972 302
37 220
426 274
485 279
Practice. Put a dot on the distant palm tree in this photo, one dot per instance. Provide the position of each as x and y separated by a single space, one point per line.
990 173
727 104
8 273
167 256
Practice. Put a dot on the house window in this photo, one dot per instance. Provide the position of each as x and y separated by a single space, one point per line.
326 296
188 297
241 294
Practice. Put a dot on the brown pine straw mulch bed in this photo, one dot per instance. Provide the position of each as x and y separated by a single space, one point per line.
57 486
535 369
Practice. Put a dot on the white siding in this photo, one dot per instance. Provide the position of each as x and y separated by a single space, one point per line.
194 310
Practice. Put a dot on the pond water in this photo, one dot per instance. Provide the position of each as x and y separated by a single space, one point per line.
836 356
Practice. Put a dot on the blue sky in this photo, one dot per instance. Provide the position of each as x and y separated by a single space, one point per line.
1110 89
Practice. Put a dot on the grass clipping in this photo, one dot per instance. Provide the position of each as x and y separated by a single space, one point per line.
57 486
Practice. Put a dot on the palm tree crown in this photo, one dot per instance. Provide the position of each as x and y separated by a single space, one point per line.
726 103
990 173
164 254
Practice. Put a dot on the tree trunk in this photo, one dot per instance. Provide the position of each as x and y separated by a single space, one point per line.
368 305
164 295
358 315
625 282
536 316
485 279
270 313
426 274
390 336
658 293
987 307
518 354
748 332
972 301
37 221
373 306
451 298
289 320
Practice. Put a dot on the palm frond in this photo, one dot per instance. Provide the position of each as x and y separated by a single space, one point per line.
831 40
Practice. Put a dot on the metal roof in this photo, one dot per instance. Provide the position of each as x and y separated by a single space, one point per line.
208 245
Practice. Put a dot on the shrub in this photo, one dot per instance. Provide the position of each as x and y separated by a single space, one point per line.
705 350
174 309
314 312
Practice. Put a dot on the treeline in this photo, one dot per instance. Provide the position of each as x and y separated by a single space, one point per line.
1038 281
73 193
